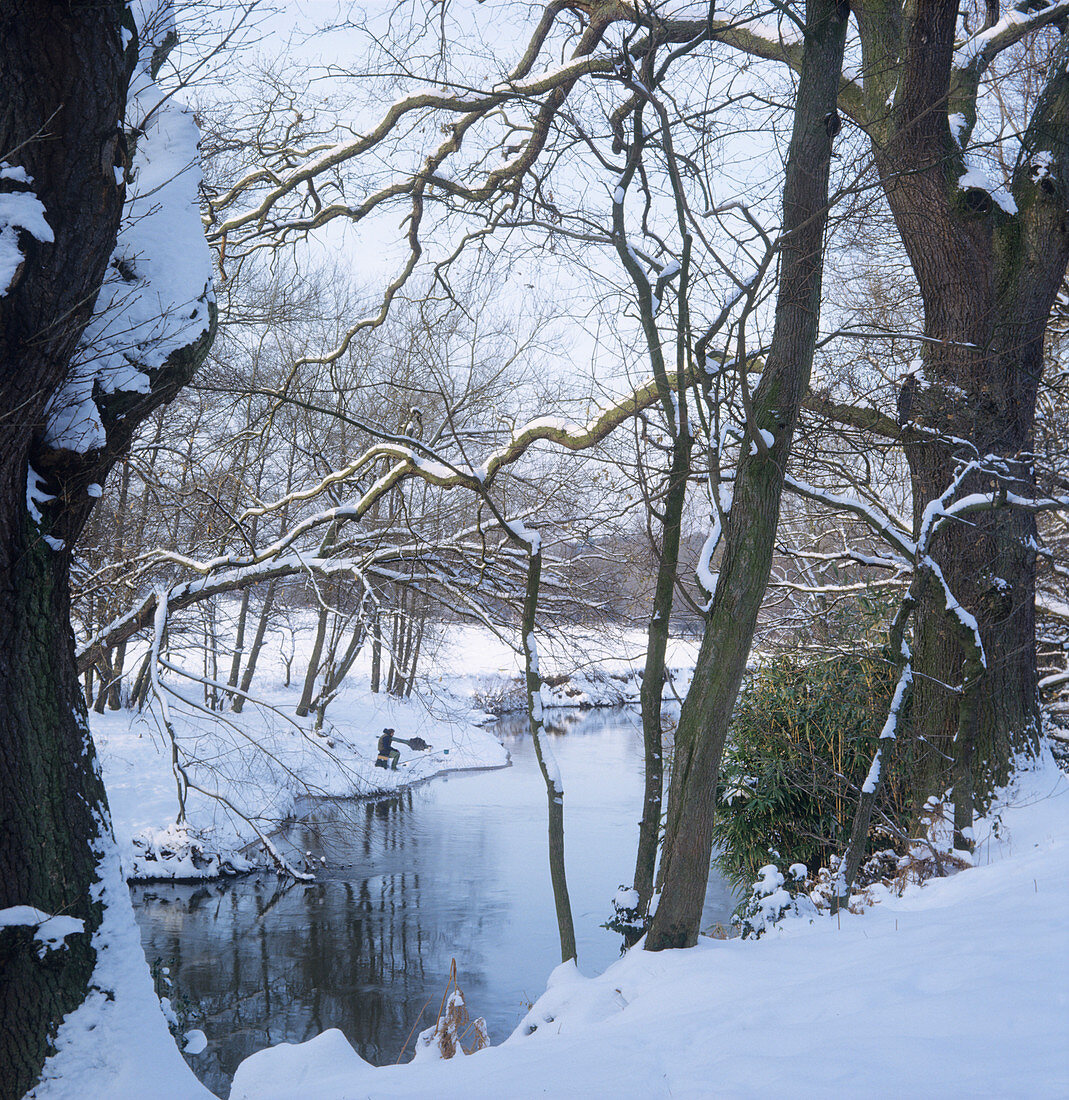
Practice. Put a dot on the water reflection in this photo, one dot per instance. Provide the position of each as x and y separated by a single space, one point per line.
455 868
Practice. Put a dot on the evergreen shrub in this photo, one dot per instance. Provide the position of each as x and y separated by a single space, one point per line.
802 740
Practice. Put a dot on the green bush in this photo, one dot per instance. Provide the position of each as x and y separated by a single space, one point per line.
803 736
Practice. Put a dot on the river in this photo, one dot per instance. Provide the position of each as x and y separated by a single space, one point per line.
454 868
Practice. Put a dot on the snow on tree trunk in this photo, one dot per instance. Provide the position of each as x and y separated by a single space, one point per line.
71 396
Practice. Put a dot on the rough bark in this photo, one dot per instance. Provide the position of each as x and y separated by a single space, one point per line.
754 512
988 278
64 72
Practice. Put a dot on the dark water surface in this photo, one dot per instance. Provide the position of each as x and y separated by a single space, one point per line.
456 868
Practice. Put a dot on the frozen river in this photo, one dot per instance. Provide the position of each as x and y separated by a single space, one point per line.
456 868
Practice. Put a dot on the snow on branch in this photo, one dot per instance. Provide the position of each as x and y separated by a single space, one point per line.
978 51
157 296
893 533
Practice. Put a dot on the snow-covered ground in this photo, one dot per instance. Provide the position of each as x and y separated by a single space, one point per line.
958 988
263 761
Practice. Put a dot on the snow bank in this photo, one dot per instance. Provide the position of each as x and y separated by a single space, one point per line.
263 766
264 762
585 669
116 1045
960 987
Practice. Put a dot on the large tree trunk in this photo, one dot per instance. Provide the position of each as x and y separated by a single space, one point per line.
53 812
61 68
64 73
988 277
751 525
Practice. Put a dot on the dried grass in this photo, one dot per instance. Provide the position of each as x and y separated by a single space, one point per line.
454 1031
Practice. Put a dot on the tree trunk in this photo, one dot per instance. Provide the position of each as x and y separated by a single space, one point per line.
62 71
52 804
546 761
239 639
257 645
751 524
988 276
305 705
376 652
649 828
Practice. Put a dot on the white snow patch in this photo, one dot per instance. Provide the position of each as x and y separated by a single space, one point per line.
767 437
156 295
956 988
19 210
706 577
50 932
196 1042
525 534
958 123
975 177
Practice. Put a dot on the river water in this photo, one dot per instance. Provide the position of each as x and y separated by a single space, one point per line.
455 868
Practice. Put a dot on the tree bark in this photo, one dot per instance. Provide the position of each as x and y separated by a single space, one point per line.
988 277
64 72
751 525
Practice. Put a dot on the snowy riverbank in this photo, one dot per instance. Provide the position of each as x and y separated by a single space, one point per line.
248 772
960 987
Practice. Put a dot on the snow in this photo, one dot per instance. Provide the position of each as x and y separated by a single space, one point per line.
706 577
974 177
670 270
974 51
196 1042
156 295
1041 163
35 495
116 1044
19 211
587 668
264 766
49 931
766 437
958 123
521 531
956 988
266 763
531 642
14 172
